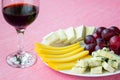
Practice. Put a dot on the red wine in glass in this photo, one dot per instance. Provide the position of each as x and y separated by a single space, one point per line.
20 14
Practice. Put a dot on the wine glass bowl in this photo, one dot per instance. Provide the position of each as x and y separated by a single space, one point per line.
20 14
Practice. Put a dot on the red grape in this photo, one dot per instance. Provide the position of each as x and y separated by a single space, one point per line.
101 41
89 39
107 34
115 29
99 30
96 36
97 47
117 52
104 37
115 43
90 47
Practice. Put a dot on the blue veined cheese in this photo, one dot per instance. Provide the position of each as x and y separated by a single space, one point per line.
78 70
80 67
93 62
111 55
105 53
70 33
113 63
82 63
107 67
80 33
96 70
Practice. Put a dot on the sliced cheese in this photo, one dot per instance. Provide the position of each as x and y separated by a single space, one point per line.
82 63
93 62
78 70
89 30
107 67
51 39
61 34
96 70
113 63
80 33
70 33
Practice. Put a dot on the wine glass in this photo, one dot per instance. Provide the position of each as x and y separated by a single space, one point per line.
20 14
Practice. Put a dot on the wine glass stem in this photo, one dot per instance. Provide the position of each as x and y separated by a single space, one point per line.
20 33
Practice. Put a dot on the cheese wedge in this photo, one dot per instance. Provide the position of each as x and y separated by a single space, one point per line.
89 30
61 34
62 37
57 52
62 55
51 39
78 70
96 70
82 63
107 67
80 33
93 62
70 33
113 63
67 59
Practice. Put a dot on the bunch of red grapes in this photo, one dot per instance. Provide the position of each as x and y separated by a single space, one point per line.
104 37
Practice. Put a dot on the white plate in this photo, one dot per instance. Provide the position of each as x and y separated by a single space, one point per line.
87 74
90 75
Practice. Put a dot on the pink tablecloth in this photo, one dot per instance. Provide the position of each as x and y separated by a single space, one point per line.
55 14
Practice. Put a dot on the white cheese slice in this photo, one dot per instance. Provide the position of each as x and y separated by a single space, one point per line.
96 70
61 34
70 33
51 38
78 70
80 33
89 30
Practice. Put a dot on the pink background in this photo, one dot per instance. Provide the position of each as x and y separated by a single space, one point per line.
55 14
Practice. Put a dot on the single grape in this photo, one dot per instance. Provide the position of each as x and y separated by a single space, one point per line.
107 34
99 30
115 43
96 36
97 47
90 47
101 42
115 29
89 39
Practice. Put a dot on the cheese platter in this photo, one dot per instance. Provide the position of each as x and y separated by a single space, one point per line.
70 51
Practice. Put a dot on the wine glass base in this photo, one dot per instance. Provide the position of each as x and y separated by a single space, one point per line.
21 59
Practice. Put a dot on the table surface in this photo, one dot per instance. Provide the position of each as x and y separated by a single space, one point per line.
55 14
